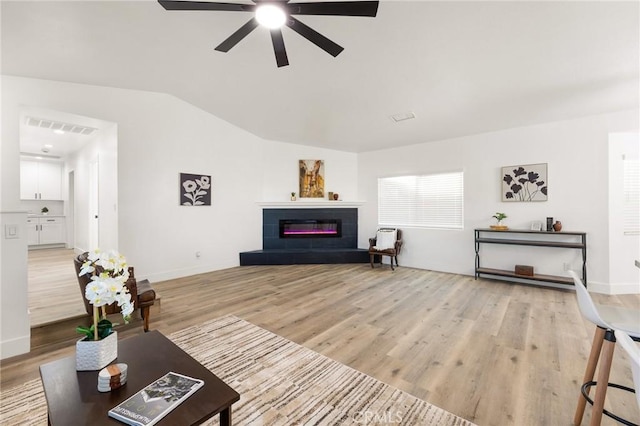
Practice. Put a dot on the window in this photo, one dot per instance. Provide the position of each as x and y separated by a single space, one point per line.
631 171
426 201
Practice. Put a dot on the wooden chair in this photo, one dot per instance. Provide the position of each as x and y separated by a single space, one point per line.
142 294
390 245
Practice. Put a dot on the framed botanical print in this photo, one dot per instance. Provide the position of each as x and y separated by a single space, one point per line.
195 190
524 183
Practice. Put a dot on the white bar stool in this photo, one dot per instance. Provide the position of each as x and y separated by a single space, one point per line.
607 319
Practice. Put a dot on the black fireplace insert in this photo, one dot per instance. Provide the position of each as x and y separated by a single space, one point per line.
310 228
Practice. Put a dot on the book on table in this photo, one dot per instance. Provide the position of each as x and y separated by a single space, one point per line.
147 406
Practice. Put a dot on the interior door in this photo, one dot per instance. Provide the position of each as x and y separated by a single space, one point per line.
94 205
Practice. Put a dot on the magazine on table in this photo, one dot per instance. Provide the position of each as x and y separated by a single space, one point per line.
149 405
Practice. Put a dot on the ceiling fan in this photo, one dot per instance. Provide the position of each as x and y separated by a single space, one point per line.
281 11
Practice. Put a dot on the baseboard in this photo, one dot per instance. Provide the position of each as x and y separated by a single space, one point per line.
18 346
612 289
185 272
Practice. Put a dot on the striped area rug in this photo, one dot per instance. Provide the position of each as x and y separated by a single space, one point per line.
280 383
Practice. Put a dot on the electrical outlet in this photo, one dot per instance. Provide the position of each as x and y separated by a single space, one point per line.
198 254
566 266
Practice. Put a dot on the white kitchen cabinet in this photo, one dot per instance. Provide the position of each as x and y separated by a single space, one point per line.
40 180
33 231
45 230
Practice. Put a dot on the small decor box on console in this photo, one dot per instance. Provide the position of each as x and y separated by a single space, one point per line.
524 270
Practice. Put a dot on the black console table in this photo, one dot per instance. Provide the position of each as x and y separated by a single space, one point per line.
528 238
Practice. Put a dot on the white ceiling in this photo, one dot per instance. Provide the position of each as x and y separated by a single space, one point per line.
461 67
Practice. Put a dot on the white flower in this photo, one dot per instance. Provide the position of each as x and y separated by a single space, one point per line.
109 273
189 185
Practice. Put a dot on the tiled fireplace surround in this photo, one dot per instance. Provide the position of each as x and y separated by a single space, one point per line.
311 250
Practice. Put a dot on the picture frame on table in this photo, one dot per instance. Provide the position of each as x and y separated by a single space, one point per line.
536 225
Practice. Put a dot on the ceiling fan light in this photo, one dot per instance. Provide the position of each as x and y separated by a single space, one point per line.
270 16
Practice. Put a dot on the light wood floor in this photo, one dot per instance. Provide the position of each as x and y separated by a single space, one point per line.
53 287
489 351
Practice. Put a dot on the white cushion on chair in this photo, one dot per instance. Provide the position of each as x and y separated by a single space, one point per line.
385 239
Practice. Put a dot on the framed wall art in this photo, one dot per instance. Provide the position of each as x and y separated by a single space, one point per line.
524 183
195 190
311 178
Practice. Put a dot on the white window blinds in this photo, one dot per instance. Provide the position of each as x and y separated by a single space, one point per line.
426 201
631 196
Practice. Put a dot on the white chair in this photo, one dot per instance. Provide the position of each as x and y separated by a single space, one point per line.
634 353
607 319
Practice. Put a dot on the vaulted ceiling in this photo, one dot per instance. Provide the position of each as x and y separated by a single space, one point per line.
461 67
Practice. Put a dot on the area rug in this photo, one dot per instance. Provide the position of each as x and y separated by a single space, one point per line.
280 383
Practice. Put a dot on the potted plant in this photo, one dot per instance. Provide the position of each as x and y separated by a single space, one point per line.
293 196
44 210
499 217
109 273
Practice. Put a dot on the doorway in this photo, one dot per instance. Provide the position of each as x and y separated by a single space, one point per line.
88 151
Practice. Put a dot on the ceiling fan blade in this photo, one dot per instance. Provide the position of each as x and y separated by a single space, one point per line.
314 37
205 5
236 37
278 48
340 8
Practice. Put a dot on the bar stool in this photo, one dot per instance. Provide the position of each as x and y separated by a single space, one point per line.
607 319
633 351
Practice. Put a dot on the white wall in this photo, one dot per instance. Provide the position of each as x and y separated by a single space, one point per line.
159 137
576 153
15 333
340 169
161 237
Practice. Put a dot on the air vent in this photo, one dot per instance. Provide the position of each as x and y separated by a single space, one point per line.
57 125
34 155
402 117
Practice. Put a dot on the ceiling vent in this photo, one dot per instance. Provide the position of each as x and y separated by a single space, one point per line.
39 156
57 125
402 117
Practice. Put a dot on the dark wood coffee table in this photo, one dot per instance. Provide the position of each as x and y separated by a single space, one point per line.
73 397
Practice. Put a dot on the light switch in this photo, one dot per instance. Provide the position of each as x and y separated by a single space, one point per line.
11 231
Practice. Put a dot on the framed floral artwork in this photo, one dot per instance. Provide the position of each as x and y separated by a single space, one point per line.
524 183
195 190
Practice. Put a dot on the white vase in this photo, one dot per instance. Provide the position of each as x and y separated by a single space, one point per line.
94 355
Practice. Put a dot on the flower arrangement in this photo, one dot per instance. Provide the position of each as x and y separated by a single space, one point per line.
109 273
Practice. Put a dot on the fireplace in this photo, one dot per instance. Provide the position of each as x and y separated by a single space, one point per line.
310 228
293 236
